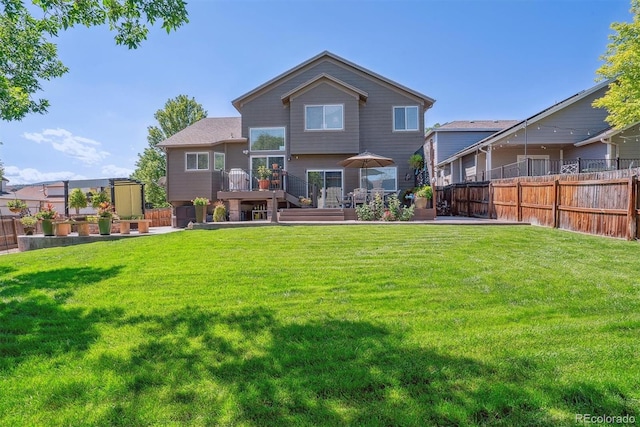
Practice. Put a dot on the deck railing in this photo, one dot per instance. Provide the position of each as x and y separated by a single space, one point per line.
280 179
541 167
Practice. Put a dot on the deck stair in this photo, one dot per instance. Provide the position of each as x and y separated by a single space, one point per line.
311 214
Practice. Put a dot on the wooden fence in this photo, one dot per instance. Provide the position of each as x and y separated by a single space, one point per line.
160 217
9 230
604 203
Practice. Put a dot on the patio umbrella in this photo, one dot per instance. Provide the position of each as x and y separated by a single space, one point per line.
366 160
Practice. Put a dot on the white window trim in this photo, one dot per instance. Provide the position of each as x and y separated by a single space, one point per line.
363 174
284 132
197 153
224 160
324 123
393 118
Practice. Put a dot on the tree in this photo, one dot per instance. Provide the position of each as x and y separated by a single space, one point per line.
27 56
622 66
77 200
177 114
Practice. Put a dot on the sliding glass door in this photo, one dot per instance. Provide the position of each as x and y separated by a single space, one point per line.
326 187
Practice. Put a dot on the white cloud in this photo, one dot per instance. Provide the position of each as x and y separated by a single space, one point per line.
80 148
113 171
30 175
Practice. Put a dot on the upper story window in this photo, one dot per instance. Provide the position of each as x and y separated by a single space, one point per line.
197 161
324 117
218 161
405 118
266 139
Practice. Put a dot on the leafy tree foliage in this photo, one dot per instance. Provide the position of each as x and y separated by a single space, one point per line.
268 142
177 114
27 55
77 200
622 64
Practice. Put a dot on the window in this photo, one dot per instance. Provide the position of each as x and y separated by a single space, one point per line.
380 178
275 163
324 117
197 161
266 139
218 161
405 118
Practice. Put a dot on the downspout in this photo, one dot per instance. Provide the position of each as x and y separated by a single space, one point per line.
617 149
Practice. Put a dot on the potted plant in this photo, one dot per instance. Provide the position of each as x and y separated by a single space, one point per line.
305 202
220 212
105 214
47 215
77 200
16 205
29 224
422 195
263 177
201 208
416 161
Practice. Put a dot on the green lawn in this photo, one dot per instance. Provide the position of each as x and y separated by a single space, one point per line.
393 324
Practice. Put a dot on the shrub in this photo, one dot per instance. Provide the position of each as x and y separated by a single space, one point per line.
99 198
220 212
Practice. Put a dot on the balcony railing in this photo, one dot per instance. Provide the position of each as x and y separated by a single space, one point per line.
241 180
539 167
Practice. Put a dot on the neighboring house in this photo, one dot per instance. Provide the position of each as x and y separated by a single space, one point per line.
300 124
127 195
452 137
570 136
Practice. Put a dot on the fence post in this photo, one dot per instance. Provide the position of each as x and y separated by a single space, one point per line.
491 193
554 206
528 166
518 210
579 165
631 212
468 196
617 163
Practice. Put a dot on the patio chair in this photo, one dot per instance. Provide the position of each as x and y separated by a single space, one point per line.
345 202
375 191
359 196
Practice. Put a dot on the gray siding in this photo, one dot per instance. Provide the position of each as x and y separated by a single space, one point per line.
629 150
450 142
182 185
330 141
592 151
375 117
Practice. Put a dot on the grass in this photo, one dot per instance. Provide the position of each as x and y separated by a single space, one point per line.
334 325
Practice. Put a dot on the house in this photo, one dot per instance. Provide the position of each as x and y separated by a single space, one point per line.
452 137
299 125
568 137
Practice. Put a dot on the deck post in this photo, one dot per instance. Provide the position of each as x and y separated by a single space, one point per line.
274 208
234 209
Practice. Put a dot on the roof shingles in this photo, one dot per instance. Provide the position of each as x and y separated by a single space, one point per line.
208 131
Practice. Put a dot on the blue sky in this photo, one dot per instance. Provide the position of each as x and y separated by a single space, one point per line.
480 59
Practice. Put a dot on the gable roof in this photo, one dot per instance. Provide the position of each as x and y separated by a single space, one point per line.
472 126
326 55
207 131
529 121
324 77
